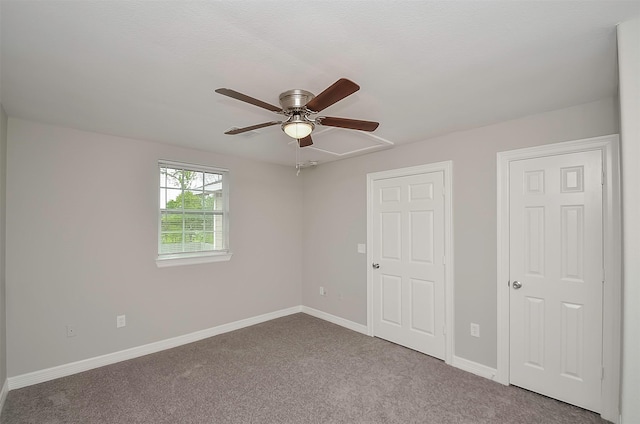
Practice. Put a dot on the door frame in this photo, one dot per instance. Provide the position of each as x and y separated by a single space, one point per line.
446 167
612 249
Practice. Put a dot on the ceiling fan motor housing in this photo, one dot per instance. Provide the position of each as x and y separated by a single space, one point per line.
295 100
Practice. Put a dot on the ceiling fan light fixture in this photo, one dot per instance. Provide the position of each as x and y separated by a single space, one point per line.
297 127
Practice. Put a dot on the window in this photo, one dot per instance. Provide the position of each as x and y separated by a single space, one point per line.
193 214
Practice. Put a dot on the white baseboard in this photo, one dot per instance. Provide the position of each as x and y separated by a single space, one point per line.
474 367
3 394
335 320
123 355
48 374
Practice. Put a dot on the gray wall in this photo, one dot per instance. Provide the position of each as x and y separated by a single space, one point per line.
335 215
3 190
82 228
82 241
629 66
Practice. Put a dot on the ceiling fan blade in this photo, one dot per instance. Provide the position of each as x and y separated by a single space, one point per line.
244 98
336 92
352 124
253 127
304 142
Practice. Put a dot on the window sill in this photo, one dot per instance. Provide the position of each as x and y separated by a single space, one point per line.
167 261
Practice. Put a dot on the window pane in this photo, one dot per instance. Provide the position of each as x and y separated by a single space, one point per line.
171 240
192 200
172 179
195 180
163 176
212 180
172 197
194 242
218 228
208 222
163 198
193 222
208 203
191 237
213 201
171 222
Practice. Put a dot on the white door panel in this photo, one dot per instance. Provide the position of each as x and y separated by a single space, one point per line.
556 254
408 244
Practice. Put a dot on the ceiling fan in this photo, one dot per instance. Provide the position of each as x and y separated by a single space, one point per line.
298 106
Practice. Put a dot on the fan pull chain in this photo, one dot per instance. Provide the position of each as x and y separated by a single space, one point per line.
297 158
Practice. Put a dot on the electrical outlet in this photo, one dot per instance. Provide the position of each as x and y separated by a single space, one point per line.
71 331
475 330
121 321
323 292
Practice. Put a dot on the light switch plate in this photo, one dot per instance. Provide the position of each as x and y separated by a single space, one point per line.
121 321
362 248
475 330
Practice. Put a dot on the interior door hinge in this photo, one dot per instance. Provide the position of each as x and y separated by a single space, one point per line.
444 330
444 260
602 178
602 376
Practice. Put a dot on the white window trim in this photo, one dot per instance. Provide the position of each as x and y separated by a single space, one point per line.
197 257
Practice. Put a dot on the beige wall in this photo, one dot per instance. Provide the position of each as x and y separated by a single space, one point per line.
629 66
82 242
3 190
335 216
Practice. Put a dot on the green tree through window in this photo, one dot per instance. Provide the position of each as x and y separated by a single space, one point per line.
192 212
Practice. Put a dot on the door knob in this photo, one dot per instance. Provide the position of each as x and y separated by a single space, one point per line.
517 284
375 266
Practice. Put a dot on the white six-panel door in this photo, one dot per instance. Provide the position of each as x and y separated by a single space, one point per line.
408 251
556 263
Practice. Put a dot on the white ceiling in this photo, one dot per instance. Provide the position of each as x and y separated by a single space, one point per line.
148 69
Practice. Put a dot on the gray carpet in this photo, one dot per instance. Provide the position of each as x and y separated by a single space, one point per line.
296 369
